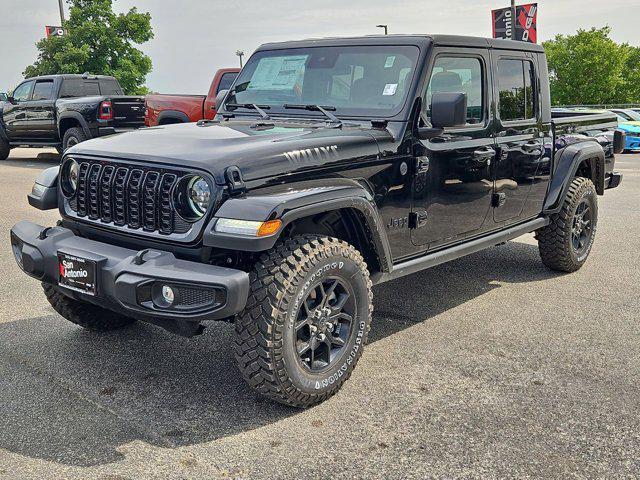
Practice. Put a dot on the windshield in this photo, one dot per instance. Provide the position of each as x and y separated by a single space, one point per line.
632 115
355 81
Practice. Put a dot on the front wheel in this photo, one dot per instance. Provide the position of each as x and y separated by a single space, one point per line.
566 242
306 320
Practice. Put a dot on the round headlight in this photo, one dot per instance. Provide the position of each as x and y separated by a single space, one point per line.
198 195
69 177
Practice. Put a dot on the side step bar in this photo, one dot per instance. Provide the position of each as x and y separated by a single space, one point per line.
457 251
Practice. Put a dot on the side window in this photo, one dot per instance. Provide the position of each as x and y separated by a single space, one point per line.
91 88
22 93
226 81
43 90
459 74
110 87
517 96
72 87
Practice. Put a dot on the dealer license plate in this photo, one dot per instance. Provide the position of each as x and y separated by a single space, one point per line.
77 273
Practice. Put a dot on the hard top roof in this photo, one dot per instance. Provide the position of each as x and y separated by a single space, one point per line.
437 40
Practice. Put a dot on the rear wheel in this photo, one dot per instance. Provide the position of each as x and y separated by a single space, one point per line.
4 149
566 242
87 315
72 137
306 320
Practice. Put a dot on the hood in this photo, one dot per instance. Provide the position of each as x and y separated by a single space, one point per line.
259 152
630 126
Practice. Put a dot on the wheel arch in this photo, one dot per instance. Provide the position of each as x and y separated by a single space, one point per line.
583 159
346 211
167 117
69 120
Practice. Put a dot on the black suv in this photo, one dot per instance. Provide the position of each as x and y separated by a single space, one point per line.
333 165
63 110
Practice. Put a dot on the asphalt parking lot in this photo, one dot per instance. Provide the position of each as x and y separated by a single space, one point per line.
489 366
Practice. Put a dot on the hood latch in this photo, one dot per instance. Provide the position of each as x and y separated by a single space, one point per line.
234 179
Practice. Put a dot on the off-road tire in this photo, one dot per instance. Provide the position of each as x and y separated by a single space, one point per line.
72 137
87 315
4 149
555 240
265 337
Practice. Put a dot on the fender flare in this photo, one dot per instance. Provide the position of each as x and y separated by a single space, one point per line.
293 204
173 114
76 116
566 163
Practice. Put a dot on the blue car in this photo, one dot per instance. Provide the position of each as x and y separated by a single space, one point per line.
629 122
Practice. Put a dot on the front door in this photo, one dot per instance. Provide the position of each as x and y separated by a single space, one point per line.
41 112
14 114
522 162
453 177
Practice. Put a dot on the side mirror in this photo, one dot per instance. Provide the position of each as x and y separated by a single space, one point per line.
448 109
220 98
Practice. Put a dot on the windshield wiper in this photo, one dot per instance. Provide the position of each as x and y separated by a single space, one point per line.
252 106
316 108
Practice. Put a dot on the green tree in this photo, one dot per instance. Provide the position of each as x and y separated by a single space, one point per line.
99 41
630 88
586 68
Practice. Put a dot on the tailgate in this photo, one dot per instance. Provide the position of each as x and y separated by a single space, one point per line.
128 112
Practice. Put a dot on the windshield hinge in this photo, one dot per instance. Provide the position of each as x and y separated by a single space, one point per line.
234 179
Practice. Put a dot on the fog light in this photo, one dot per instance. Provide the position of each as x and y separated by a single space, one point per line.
167 294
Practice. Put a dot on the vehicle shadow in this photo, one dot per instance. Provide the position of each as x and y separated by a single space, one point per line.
38 160
74 397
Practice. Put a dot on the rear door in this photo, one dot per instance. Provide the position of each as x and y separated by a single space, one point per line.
520 137
453 181
41 113
15 114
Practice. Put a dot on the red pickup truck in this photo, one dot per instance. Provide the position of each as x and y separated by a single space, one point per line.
165 109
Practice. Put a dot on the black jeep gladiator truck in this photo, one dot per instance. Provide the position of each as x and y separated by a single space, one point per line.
63 110
333 165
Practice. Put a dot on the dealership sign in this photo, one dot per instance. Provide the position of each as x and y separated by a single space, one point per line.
54 31
526 23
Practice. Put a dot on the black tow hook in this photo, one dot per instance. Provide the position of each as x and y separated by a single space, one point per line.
139 258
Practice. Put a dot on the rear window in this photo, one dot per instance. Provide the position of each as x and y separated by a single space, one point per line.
79 87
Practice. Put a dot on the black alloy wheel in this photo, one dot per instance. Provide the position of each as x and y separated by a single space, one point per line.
324 324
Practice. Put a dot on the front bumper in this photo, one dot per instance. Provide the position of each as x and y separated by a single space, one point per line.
613 180
127 279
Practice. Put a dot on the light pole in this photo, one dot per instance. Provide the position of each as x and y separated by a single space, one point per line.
513 20
385 28
240 54
61 13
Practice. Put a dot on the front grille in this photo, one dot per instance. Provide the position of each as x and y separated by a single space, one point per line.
139 198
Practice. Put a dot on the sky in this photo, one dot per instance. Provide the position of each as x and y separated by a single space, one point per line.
193 38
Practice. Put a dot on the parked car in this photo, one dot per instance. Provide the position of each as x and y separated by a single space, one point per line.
629 122
333 165
63 110
167 109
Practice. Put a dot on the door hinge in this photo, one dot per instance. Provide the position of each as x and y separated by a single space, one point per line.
498 199
417 219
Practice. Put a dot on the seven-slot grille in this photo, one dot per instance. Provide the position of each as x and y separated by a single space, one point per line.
126 195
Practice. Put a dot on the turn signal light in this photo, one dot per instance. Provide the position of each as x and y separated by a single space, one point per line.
269 228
